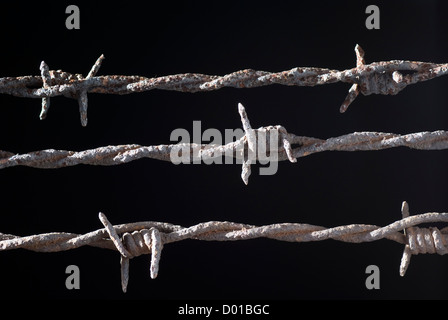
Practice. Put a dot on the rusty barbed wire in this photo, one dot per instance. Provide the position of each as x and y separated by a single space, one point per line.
385 77
289 147
135 239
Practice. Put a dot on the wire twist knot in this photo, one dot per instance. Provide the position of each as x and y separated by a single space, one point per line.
367 82
63 80
420 241
260 140
133 245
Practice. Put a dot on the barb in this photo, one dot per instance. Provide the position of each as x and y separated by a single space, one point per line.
383 77
135 239
289 147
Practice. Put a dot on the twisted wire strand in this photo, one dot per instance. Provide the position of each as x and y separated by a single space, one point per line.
135 239
289 147
376 78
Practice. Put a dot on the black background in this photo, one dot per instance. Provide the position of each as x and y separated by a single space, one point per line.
328 189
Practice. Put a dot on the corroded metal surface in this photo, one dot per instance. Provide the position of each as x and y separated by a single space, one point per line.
134 239
290 147
383 77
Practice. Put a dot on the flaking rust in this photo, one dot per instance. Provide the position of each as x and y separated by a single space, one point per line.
383 77
134 239
289 147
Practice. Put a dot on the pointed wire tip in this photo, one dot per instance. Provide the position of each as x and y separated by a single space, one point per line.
407 254
244 118
45 74
360 61
241 108
405 260
246 172
343 108
124 262
84 118
351 96
93 71
156 251
359 49
405 209
102 216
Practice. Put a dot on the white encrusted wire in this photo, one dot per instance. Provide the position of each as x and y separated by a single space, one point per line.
134 239
290 147
383 77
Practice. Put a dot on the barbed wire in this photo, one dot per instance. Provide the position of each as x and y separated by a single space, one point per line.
385 77
288 146
135 239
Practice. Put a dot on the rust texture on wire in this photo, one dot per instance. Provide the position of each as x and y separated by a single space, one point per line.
289 147
385 77
135 239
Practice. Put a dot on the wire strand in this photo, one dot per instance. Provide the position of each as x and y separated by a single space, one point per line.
134 239
289 147
376 78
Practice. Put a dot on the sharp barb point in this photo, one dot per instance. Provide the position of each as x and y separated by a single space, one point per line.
151 236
